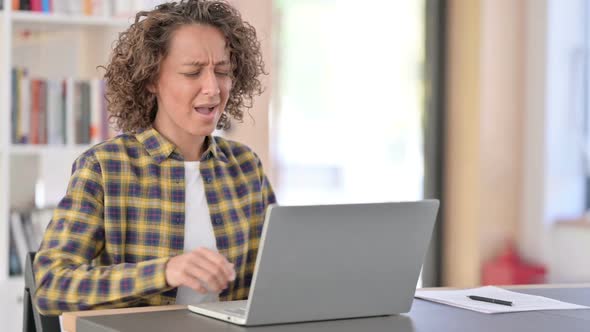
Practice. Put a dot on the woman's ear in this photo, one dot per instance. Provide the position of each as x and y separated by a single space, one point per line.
151 87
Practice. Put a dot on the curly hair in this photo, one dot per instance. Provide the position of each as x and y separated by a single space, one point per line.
139 51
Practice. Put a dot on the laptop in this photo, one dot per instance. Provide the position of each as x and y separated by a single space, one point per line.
327 262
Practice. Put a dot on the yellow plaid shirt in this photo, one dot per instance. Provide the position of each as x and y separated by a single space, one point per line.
123 217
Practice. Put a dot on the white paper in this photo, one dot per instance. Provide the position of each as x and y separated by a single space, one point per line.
520 302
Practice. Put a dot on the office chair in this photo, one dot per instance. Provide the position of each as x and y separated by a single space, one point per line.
33 321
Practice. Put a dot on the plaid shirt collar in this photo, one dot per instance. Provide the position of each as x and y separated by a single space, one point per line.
161 149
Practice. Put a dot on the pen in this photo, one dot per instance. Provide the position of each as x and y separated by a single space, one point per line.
489 299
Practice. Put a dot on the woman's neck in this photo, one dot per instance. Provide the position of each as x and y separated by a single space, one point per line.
192 151
190 147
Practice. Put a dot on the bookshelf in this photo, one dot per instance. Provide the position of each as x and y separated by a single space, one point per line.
50 46
58 21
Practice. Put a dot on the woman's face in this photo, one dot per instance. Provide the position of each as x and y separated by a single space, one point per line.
194 83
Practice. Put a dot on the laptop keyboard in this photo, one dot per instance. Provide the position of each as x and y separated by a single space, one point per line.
236 311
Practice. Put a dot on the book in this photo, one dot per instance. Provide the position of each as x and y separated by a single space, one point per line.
42 135
18 234
14 107
25 110
14 264
48 111
36 6
46 6
55 113
96 133
35 91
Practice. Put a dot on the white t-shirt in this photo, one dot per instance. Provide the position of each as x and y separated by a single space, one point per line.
198 231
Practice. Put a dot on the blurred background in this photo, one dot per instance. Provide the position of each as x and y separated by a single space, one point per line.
483 104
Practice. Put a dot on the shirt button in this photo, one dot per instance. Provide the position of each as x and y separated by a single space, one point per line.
217 221
209 179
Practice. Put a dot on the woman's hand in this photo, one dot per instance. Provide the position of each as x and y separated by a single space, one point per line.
201 269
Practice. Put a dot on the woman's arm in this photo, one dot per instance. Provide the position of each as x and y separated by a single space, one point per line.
66 281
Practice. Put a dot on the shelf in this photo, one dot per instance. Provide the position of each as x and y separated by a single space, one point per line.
29 149
43 21
50 46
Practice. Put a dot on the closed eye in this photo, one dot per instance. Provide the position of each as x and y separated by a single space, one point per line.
194 74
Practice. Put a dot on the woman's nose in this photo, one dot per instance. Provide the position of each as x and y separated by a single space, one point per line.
210 84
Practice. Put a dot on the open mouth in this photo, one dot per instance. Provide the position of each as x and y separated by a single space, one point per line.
205 110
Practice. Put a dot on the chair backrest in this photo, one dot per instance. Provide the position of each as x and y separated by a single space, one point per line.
33 321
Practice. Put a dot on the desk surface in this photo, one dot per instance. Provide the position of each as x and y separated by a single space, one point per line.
424 317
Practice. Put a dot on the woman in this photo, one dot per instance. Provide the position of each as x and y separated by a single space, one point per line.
164 213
